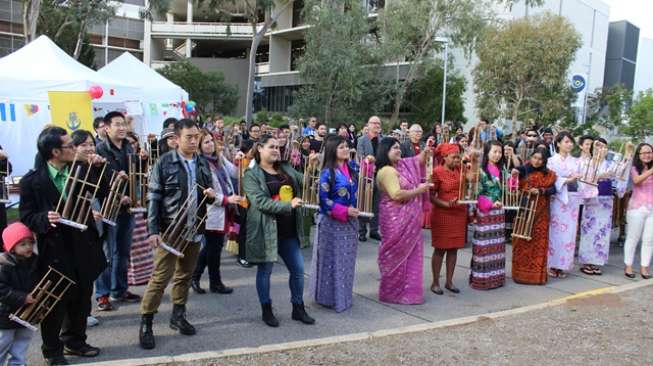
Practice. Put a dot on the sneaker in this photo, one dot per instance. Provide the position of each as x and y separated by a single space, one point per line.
103 303
91 321
127 297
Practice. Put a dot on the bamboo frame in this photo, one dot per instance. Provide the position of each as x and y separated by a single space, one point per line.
510 193
74 205
138 180
47 293
523 225
365 201
152 147
111 205
525 151
4 186
179 234
621 165
469 181
310 186
592 166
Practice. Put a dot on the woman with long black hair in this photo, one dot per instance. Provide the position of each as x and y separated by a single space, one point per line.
334 252
640 212
274 227
488 267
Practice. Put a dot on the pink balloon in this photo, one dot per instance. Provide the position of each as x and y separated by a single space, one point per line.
96 92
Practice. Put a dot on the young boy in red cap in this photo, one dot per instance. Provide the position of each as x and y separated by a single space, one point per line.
17 268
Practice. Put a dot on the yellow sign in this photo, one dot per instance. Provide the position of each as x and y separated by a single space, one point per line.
71 110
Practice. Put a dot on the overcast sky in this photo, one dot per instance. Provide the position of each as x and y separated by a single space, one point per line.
638 12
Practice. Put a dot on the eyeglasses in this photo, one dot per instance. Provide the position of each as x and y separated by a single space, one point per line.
531 135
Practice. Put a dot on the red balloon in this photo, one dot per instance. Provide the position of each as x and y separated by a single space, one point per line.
96 92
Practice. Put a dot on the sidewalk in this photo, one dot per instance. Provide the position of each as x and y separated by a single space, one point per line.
233 321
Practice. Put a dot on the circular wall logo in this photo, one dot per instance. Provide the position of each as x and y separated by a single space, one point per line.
577 83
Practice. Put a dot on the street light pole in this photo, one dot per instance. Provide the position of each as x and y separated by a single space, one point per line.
444 83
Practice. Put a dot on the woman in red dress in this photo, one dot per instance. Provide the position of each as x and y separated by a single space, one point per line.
448 218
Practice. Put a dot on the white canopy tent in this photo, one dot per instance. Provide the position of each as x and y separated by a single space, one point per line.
161 98
26 77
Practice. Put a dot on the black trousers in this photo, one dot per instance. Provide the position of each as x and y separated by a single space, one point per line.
242 233
210 256
66 323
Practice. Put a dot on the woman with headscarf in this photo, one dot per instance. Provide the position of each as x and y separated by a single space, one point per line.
448 218
529 257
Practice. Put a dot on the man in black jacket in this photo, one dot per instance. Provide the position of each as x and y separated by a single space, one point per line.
171 180
77 254
113 281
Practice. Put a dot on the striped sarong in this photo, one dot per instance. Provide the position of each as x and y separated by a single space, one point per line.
141 258
488 267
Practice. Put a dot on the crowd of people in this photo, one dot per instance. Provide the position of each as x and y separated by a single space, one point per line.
244 188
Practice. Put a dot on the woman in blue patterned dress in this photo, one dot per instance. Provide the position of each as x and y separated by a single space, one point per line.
334 252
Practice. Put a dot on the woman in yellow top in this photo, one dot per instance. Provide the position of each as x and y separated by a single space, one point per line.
404 197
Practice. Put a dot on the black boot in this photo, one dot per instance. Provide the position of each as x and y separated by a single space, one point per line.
220 288
195 285
178 320
299 313
268 316
145 335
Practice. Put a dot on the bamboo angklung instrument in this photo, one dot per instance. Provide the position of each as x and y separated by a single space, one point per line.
74 205
152 148
4 187
623 161
523 226
510 192
592 166
470 172
310 186
47 293
111 204
365 194
138 179
180 233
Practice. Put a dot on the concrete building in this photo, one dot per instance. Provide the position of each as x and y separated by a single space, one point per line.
621 57
191 32
124 32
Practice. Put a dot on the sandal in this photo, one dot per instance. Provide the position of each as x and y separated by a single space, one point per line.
597 270
553 272
588 270
561 274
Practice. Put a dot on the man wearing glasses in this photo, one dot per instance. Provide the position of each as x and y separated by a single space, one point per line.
75 253
414 145
527 146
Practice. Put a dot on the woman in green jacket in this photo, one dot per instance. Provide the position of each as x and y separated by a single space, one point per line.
274 227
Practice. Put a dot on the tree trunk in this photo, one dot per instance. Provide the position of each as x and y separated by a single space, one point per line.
252 59
82 32
31 10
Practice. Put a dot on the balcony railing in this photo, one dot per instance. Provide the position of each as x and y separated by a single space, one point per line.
203 30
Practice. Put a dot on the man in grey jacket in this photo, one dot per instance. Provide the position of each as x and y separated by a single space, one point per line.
366 148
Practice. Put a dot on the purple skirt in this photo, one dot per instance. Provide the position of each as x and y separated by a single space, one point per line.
334 263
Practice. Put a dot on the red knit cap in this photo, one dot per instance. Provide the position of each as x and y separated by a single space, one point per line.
14 234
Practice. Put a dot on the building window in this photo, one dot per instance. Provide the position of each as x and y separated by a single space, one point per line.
297 16
297 49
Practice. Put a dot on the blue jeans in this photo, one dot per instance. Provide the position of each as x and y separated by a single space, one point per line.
14 344
113 281
289 251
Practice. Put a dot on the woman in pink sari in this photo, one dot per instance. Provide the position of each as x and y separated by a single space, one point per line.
403 200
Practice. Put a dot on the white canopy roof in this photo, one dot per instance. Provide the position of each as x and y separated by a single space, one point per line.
129 69
41 66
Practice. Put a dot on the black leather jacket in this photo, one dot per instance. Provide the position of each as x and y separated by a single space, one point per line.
168 189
